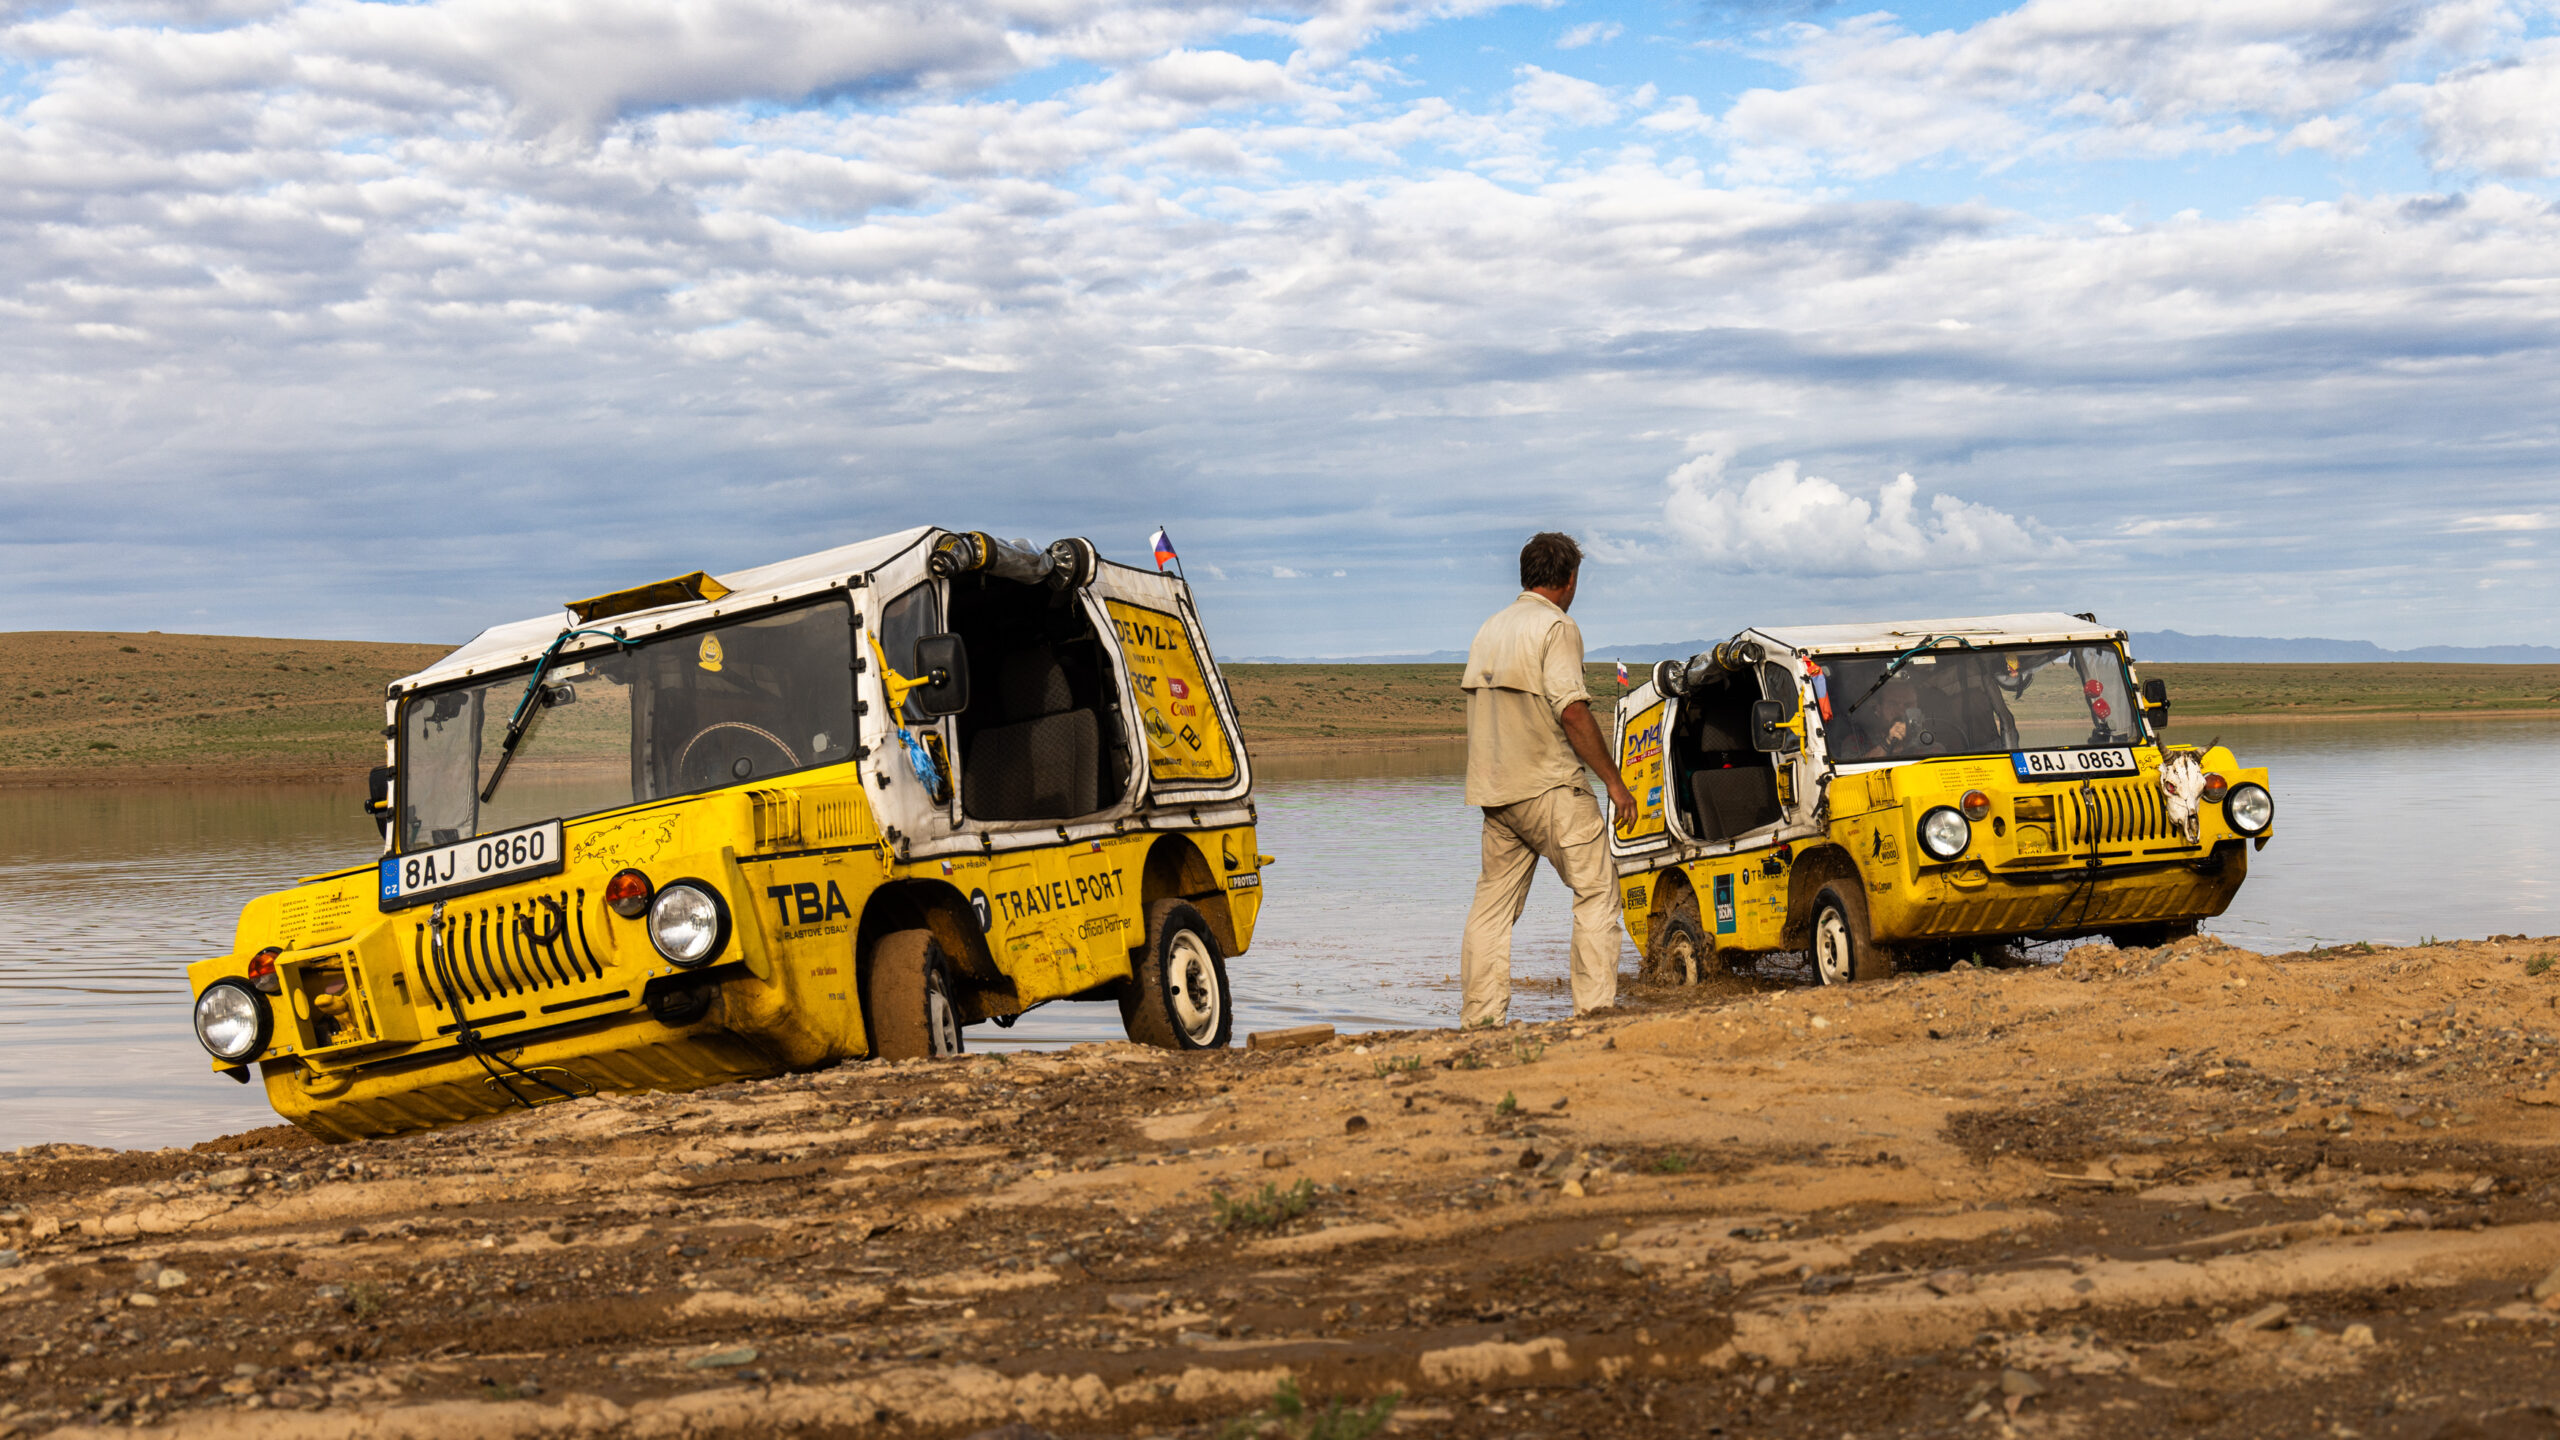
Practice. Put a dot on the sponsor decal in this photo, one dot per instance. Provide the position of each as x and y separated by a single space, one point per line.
1243 882
1163 637
1175 686
1724 904
1635 897
1101 925
978 906
806 904
1055 895
1143 684
1643 745
1190 737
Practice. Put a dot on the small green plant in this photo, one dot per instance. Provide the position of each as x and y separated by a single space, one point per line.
1288 1416
1269 1210
1398 1065
102 744
1510 1104
1671 1162
2539 964
366 1299
1529 1052
1468 1061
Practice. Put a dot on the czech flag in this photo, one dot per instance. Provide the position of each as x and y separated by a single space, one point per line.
1622 674
1163 546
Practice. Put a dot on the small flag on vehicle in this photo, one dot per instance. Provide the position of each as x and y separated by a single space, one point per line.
1622 674
1162 544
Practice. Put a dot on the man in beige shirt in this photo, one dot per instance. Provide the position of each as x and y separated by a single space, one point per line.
1529 735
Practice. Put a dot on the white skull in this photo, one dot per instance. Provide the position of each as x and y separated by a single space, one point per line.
2181 786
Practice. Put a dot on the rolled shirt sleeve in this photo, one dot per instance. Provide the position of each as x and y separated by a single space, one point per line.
1560 668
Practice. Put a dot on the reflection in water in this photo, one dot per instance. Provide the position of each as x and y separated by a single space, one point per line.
2385 832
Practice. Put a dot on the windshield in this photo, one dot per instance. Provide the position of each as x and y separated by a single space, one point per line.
1975 702
672 715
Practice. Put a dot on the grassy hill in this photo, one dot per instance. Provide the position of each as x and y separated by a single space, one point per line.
82 707
89 708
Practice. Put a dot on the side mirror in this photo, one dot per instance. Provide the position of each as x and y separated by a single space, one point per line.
942 663
377 796
2155 702
1768 718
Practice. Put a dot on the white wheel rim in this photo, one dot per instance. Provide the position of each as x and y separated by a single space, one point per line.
1191 978
1831 947
941 1021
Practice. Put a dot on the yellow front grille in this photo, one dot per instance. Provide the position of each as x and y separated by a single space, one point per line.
507 950
2114 812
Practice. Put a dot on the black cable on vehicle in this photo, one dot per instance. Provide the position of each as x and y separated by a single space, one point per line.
468 1038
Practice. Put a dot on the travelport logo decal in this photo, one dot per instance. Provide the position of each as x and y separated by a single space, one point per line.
1058 895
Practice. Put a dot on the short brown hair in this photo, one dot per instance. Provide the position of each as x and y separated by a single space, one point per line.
1548 561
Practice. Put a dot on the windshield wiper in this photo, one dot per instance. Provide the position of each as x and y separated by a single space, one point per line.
532 704
1895 667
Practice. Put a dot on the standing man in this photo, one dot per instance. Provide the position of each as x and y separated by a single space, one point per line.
1529 735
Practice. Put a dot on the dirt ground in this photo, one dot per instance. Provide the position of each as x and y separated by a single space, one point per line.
2189 1191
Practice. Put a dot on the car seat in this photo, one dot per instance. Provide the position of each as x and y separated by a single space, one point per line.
1045 763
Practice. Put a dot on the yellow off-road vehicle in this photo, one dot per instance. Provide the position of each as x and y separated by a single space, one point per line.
704 829
1907 794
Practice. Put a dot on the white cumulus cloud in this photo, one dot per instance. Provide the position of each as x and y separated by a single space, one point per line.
1785 521
1596 32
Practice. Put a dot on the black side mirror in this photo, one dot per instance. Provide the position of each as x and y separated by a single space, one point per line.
377 796
942 663
2155 702
1766 718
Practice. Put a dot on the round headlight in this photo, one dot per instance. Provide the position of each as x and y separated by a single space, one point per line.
687 923
2250 809
232 1021
1944 833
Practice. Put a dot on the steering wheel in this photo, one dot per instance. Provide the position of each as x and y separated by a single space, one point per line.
737 759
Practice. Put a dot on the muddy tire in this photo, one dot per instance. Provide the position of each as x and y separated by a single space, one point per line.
1844 948
1177 996
1678 952
907 998
2151 936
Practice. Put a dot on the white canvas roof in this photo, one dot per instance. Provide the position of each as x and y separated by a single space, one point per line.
1896 635
521 641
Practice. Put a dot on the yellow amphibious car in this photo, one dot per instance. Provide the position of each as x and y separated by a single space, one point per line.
704 829
1907 794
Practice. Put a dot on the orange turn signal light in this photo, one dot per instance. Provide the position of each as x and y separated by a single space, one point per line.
1975 805
262 970
2214 785
627 894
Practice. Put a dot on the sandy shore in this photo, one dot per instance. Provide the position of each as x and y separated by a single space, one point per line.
2192 1190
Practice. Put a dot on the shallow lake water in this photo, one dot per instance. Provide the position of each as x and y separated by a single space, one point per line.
2385 831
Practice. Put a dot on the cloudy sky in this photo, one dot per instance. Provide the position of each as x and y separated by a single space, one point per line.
392 321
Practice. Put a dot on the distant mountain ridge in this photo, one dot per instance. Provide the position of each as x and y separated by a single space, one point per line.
2165 646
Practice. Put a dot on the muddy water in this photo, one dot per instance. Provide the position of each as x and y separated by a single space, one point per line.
2387 832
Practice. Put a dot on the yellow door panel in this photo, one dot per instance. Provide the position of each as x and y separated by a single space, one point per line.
1186 741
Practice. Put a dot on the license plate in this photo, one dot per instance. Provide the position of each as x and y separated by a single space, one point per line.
525 853
2071 764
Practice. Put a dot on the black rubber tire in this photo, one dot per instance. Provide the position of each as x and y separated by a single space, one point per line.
1678 951
1177 996
2151 936
908 1005
1842 945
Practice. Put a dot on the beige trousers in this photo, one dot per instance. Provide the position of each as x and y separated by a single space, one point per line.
1564 828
